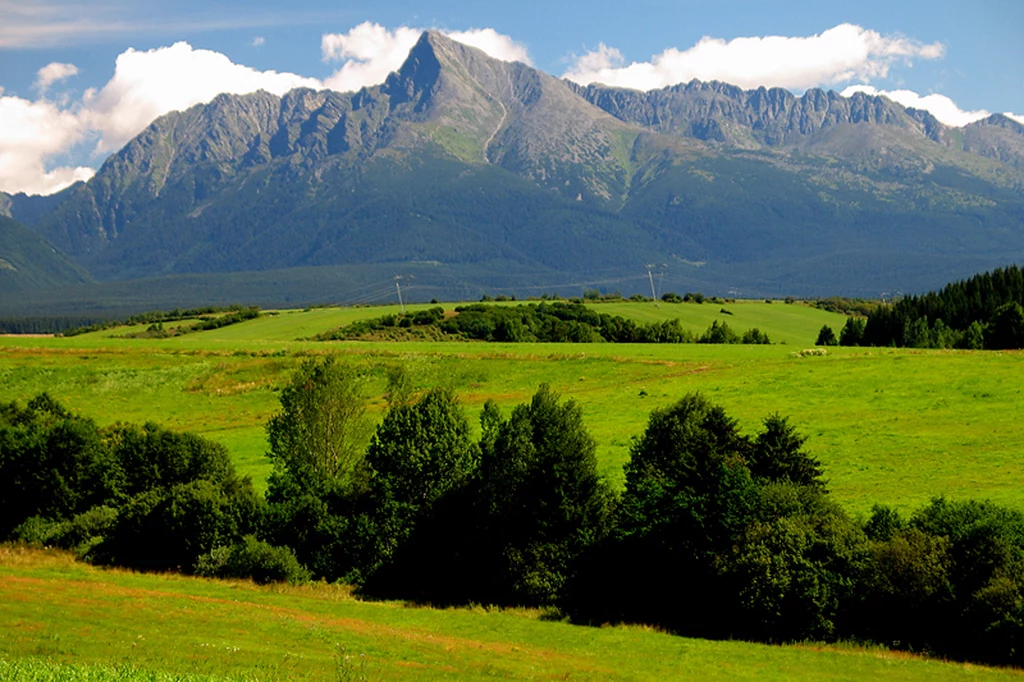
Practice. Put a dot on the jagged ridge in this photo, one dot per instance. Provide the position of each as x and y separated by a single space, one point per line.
461 158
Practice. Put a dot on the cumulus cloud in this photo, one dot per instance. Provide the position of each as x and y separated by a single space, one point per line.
370 51
53 73
840 54
145 85
258 41
497 45
32 132
151 83
939 106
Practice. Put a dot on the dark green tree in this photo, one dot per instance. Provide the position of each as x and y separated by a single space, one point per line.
826 337
421 451
852 333
318 439
544 502
755 336
973 337
777 455
795 570
1006 329
719 332
688 499
420 461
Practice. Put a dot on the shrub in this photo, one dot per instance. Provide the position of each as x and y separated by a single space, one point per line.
719 332
755 336
826 337
254 559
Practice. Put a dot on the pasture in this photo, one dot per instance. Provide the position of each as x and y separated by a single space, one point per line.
890 426
63 620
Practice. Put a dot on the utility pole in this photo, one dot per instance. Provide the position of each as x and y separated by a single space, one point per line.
399 287
650 277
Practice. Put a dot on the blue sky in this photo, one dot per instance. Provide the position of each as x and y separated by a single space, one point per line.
80 79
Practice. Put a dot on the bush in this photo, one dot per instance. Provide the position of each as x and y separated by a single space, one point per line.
719 332
826 337
253 559
755 336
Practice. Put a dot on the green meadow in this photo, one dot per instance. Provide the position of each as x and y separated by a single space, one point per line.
890 426
63 620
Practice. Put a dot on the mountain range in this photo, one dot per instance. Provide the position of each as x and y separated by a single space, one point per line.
479 175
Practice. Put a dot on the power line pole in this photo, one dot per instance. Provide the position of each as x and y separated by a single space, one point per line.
399 287
661 274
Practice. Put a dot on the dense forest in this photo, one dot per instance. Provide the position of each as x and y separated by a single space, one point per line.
553 322
715 533
983 312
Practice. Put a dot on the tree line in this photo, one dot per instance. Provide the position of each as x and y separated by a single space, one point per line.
983 312
550 322
715 533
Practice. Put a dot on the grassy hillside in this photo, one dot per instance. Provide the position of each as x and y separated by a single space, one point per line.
68 621
890 426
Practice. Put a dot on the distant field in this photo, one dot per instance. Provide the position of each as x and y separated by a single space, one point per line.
61 620
892 426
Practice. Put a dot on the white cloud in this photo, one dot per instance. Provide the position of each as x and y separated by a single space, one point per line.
497 45
371 51
258 41
32 132
145 85
53 73
939 106
151 83
840 54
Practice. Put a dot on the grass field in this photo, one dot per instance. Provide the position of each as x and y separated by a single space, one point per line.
62 620
891 426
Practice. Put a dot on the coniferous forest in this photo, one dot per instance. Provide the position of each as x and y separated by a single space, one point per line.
983 312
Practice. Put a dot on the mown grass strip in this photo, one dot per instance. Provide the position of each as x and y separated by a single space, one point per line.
83 623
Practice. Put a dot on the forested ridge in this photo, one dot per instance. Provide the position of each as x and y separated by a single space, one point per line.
714 534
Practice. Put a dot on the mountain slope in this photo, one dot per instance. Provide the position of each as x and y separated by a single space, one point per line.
28 262
472 162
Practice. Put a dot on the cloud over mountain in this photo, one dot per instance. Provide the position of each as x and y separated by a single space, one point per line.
843 53
370 51
44 141
149 83
940 106
30 133
145 85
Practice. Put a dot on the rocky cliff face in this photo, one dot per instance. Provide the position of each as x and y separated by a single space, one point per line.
753 118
